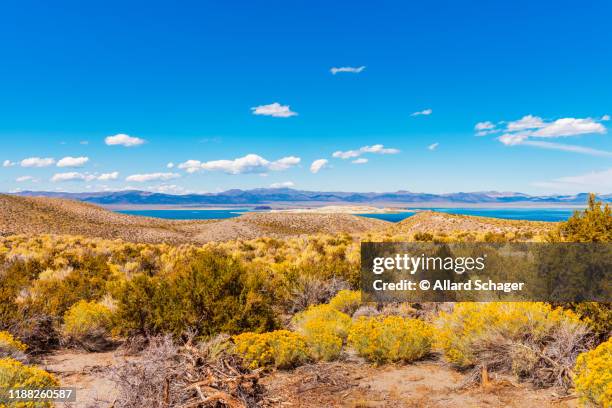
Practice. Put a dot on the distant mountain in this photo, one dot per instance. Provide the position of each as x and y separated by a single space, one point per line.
287 196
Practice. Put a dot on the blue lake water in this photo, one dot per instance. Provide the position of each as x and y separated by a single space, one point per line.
531 214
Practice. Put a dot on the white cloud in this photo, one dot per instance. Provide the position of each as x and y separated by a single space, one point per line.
486 125
84 142
511 139
318 165
274 109
37 162
140 178
598 181
433 146
72 176
605 118
570 127
109 176
69 161
568 148
529 128
361 160
377 149
25 178
284 184
353 70
526 122
8 163
191 166
77 176
284 163
485 128
349 154
424 112
170 165
251 163
123 140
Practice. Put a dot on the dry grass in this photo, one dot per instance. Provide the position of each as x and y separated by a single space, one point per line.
40 215
441 223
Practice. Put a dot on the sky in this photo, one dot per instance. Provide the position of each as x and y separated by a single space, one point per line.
206 96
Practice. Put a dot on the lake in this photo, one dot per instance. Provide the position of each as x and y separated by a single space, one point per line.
530 214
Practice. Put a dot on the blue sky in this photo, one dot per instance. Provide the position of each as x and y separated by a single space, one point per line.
242 95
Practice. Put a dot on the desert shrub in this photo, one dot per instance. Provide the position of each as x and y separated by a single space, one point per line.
391 339
310 289
14 374
346 301
38 331
279 349
597 315
324 346
167 374
594 224
15 276
11 347
210 294
594 375
87 324
322 318
423 236
53 295
531 340
324 329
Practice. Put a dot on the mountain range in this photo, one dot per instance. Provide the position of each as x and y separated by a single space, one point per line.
287 196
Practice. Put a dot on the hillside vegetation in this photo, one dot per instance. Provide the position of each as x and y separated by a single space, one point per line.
254 304
40 215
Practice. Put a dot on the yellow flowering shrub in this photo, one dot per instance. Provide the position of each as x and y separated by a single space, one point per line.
322 318
10 346
14 374
324 329
593 379
391 338
346 301
279 349
86 323
472 329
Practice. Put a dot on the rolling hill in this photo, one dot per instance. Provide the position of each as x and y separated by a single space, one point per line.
41 215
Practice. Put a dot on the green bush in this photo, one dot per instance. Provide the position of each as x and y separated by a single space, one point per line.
211 294
594 224
53 295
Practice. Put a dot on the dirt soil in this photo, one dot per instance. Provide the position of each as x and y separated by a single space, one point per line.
354 384
427 384
85 371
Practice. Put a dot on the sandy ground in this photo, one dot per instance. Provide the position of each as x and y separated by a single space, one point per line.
355 384
85 371
426 384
